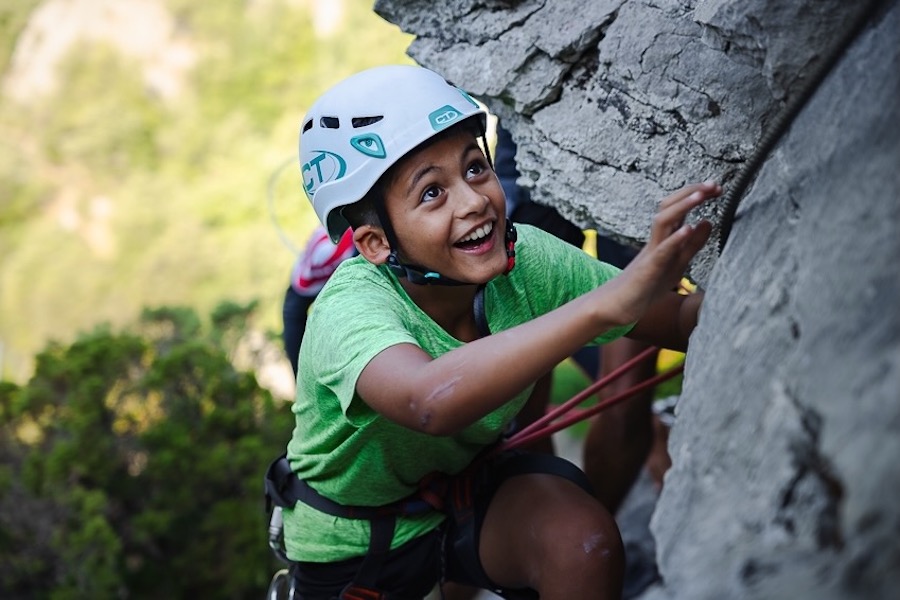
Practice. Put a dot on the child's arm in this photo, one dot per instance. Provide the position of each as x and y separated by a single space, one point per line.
440 396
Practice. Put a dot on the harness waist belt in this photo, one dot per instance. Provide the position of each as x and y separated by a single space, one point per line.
285 489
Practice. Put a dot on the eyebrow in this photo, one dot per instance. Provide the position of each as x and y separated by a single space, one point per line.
417 177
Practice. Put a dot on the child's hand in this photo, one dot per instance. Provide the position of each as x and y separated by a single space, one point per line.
673 243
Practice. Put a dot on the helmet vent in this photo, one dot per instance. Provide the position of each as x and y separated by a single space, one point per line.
307 126
365 121
330 122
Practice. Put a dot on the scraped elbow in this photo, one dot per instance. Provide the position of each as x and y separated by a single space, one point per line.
434 410
430 422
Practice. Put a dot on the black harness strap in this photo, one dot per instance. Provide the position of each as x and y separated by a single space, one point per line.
483 481
285 489
365 585
453 496
480 316
547 464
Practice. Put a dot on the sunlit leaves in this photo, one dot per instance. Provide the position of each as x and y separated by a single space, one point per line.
146 476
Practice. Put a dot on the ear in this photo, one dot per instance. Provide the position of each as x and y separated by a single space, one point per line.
372 243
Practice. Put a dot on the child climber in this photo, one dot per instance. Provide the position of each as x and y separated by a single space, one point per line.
420 352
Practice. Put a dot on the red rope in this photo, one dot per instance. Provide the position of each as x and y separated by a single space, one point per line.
544 426
531 433
586 392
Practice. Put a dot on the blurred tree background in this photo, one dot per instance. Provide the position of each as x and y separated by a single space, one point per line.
143 261
131 465
138 176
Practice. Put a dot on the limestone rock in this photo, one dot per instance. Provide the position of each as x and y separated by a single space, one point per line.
788 430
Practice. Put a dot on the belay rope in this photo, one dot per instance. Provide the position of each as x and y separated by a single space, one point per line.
557 419
783 120
545 425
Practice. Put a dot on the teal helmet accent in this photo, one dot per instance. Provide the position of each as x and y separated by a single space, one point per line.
358 129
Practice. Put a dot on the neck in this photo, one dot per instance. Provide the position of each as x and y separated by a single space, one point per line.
449 307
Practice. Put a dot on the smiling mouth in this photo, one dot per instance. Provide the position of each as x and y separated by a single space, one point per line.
477 237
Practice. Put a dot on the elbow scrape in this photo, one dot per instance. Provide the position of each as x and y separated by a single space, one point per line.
423 415
436 395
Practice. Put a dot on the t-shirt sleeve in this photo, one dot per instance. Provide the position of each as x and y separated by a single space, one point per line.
347 329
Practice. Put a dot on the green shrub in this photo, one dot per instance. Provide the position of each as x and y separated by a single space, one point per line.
141 457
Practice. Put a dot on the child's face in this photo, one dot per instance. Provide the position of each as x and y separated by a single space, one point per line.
449 211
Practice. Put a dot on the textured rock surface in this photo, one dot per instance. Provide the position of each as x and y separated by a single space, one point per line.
785 449
614 103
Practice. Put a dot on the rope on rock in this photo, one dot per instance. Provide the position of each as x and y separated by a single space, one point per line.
783 120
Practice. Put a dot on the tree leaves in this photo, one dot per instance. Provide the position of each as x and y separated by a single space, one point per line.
145 480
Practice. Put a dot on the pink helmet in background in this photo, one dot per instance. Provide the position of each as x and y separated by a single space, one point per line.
319 260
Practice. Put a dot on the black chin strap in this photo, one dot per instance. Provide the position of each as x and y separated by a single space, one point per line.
416 274
423 276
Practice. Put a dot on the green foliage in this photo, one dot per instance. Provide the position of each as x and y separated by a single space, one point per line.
97 134
141 456
13 15
115 196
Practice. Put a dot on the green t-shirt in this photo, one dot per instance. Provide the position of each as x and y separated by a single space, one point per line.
354 456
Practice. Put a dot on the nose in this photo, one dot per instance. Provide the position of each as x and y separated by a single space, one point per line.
470 200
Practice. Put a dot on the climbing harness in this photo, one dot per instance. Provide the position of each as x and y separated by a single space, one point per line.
452 495
284 489
783 120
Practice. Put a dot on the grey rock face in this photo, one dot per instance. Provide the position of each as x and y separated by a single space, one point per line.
785 449
789 426
615 103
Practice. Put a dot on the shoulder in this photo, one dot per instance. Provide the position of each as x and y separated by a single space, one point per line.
536 248
550 271
358 280
358 314
361 298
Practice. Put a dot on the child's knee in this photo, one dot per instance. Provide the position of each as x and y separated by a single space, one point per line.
588 542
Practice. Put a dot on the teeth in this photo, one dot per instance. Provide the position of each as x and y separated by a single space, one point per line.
479 233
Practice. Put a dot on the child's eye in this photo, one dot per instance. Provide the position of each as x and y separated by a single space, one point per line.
431 193
475 169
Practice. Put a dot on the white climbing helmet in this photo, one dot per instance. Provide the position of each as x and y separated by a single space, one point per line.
360 127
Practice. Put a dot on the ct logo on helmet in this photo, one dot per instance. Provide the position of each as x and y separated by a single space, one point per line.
443 117
322 168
